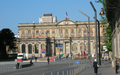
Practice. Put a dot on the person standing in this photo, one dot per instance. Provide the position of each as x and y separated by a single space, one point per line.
48 60
95 65
116 66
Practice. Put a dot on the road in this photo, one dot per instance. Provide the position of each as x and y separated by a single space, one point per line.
43 67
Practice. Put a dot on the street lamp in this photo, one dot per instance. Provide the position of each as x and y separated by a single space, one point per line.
88 34
54 46
95 27
99 40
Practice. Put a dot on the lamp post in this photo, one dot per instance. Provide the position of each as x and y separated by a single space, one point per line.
99 41
95 28
88 34
54 46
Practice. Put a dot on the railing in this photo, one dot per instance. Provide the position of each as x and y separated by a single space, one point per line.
71 64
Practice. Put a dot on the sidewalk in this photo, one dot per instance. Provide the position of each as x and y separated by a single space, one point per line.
104 69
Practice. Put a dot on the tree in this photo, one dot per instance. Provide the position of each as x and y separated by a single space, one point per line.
6 39
108 34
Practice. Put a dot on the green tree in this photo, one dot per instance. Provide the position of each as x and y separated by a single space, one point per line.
108 34
6 39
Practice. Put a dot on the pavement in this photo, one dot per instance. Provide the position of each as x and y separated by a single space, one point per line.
104 69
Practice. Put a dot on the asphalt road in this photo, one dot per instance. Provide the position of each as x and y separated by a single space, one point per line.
54 67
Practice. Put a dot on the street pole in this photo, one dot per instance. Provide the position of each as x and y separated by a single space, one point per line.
89 50
95 28
99 42
54 47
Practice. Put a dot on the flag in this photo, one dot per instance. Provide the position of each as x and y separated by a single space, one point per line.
84 53
27 35
33 35
78 34
91 33
66 15
59 28
46 33
40 34
85 33
71 34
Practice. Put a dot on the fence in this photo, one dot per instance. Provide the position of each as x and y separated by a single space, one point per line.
71 63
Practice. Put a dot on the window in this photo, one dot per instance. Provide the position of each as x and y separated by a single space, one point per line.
37 32
23 33
53 32
36 49
29 32
91 31
72 32
79 32
29 48
66 33
66 30
23 48
85 32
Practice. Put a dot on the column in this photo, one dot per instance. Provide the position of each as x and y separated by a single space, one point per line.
39 49
78 47
64 48
53 49
69 48
20 50
26 46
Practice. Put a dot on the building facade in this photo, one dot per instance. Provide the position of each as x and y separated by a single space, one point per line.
54 38
113 16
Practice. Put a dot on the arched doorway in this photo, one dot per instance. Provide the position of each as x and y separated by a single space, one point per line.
30 48
23 48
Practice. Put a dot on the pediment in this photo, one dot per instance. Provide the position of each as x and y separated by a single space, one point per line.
66 22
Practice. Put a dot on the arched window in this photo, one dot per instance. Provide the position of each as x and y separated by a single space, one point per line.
66 32
23 48
91 31
79 34
72 32
29 32
36 48
85 32
29 48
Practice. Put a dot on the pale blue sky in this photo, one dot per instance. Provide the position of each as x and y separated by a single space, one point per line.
13 12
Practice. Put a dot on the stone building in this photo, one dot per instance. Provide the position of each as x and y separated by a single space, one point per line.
113 16
54 38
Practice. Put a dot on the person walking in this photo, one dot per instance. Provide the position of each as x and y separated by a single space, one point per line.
31 63
95 65
116 66
48 60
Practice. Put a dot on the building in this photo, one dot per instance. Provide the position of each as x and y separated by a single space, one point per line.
113 16
54 38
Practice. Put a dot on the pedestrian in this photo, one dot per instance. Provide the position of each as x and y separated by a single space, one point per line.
48 60
116 65
31 63
35 59
60 57
95 65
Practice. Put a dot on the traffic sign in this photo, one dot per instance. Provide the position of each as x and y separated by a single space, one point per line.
77 62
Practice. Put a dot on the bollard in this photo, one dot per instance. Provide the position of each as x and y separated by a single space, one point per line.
62 72
51 73
57 73
67 72
70 72
74 72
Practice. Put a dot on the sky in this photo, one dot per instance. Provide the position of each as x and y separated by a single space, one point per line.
13 12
